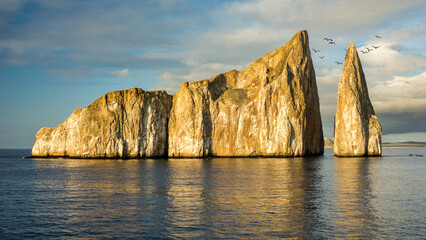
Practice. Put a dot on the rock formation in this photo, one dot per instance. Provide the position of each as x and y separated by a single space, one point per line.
328 143
123 124
357 131
271 108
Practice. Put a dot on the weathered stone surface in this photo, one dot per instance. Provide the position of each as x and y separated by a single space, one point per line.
122 124
328 143
271 108
357 131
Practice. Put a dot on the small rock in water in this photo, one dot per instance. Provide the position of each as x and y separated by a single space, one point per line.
415 155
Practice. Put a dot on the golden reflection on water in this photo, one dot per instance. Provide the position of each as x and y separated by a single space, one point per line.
218 197
185 194
355 213
91 191
267 196
124 174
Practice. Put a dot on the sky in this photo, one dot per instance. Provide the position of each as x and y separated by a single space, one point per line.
57 55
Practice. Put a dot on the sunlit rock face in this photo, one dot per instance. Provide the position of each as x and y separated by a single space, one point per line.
271 108
122 124
357 131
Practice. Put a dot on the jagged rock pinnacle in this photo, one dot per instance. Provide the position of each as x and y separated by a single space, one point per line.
357 131
271 108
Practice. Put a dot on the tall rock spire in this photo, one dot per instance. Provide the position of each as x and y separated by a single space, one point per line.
357 131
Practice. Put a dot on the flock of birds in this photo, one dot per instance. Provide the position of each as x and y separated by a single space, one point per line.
331 42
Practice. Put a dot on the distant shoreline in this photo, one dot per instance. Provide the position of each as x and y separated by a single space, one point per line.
328 143
402 145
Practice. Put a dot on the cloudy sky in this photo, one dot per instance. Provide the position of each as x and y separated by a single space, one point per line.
56 56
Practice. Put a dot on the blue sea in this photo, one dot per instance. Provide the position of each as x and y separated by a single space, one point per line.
321 197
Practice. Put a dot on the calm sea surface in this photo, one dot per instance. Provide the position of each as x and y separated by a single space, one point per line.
241 198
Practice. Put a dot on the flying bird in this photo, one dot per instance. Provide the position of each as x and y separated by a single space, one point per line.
321 57
363 51
377 36
369 49
338 63
375 47
331 42
315 50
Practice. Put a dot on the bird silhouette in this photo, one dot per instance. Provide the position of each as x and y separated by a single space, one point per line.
369 49
377 36
338 63
331 42
315 50
328 39
375 47
321 57
363 51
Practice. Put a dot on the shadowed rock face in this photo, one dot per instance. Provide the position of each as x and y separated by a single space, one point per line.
271 108
123 124
357 131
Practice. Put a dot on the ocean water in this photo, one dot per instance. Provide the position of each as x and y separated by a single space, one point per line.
232 198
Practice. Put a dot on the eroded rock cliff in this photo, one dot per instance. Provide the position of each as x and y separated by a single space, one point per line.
271 108
122 124
357 131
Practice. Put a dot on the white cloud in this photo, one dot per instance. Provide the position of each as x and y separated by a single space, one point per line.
323 14
122 73
196 71
386 60
409 33
400 95
236 38
328 77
